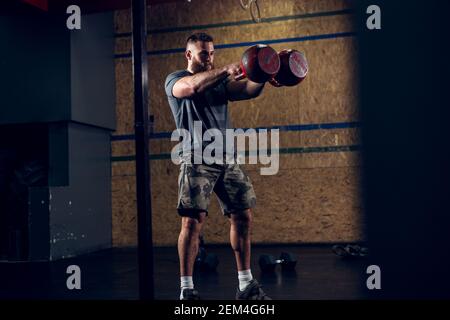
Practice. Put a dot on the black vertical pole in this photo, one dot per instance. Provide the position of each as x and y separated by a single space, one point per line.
140 74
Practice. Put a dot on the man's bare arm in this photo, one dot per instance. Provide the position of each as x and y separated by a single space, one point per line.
189 86
244 89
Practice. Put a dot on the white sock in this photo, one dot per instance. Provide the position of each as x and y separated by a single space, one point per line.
245 277
186 283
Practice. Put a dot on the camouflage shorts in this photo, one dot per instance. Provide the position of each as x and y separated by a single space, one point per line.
231 185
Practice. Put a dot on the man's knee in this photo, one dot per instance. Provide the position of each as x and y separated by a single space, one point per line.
242 219
191 224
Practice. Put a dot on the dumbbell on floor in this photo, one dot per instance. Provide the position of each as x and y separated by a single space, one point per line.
267 262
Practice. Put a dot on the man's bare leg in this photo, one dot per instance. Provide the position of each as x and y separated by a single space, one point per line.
240 239
188 242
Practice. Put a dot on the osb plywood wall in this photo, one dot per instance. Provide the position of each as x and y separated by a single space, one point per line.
315 197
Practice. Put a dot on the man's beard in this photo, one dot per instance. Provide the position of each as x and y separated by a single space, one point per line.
201 67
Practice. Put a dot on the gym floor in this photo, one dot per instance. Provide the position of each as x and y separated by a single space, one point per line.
113 274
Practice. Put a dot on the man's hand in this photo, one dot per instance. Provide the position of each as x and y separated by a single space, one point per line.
233 69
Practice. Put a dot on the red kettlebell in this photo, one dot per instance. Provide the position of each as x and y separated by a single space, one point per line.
293 69
259 63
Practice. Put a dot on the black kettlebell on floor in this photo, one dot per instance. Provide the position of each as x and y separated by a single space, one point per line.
205 262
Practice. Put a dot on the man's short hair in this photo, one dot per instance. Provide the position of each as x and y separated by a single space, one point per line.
199 36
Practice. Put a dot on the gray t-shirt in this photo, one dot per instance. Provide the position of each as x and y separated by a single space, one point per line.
209 110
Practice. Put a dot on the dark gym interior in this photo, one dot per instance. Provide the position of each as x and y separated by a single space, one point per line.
87 179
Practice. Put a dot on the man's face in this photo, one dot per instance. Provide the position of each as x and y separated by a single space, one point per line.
200 56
